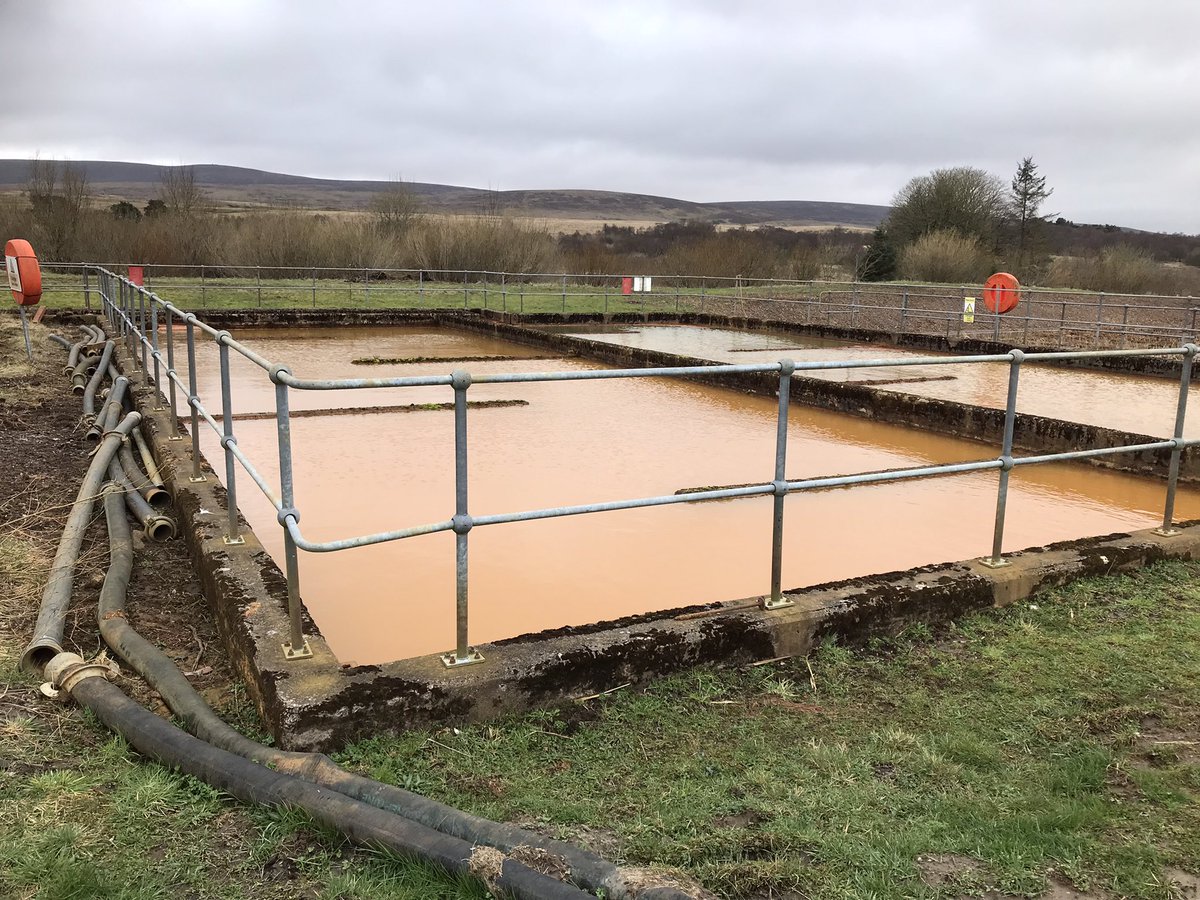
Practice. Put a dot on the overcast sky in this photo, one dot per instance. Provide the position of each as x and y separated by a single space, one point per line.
703 100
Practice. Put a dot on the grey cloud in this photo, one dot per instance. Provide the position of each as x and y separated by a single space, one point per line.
705 100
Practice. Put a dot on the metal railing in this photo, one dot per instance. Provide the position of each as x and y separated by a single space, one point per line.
133 312
1047 317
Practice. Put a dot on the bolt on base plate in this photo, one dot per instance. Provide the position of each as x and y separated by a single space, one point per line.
781 603
1167 532
302 653
451 660
995 563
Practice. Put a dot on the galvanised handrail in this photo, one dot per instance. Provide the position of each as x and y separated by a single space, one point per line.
125 305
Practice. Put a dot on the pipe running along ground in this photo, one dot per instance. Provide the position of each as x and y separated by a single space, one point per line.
47 633
89 392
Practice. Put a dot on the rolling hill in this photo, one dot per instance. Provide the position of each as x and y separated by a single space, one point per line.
234 187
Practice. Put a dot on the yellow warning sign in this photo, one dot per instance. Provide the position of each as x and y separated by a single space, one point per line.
968 309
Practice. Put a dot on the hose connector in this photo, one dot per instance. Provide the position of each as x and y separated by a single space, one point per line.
66 670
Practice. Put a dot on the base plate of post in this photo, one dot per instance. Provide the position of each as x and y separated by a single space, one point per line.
452 660
782 603
995 563
196 480
303 652
1167 532
178 437
232 542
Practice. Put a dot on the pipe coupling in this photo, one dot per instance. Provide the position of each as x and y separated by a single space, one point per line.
66 670
787 366
288 512
1006 463
780 488
226 440
462 523
460 379
276 370
1017 356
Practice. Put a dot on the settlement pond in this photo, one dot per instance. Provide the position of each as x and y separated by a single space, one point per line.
1141 404
580 442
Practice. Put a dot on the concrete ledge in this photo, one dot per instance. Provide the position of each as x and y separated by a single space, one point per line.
319 704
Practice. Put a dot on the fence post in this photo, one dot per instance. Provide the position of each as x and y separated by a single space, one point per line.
463 653
904 310
227 442
1124 326
158 394
296 647
564 292
1006 460
171 376
464 290
141 295
196 475
777 600
421 287
203 289
1185 382
258 282
314 288
366 287
503 293
1062 323
1099 318
87 291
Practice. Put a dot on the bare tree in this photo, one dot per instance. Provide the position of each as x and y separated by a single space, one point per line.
60 197
969 201
180 191
396 208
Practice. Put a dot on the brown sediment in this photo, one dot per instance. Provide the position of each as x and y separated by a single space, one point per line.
372 410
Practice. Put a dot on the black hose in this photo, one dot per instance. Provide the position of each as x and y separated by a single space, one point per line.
47 633
89 392
584 868
60 340
252 783
73 357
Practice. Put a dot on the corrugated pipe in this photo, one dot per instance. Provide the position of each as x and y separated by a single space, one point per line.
89 393
47 633
60 340
73 357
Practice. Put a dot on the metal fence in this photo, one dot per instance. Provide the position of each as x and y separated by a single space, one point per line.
137 315
1045 317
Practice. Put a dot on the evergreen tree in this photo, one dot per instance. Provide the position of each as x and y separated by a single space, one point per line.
879 261
1028 193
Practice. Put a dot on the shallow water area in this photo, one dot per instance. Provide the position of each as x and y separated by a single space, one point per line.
1141 404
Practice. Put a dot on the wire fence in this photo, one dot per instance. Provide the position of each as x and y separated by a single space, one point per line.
1044 317
143 320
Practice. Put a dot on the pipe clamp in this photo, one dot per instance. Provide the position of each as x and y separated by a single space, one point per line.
66 670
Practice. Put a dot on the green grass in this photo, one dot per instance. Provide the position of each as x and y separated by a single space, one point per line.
1024 739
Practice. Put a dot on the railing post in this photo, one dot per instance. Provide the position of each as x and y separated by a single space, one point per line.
203 289
87 291
1124 326
904 309
141 295
296 647
1062 323
465 302
158 394
564 292
1185 382
421 287
777 600
171 376
463 653
193 399
314 288
227 442
258 283
1006 460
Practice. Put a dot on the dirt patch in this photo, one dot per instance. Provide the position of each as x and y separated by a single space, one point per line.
1183 884
939 869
